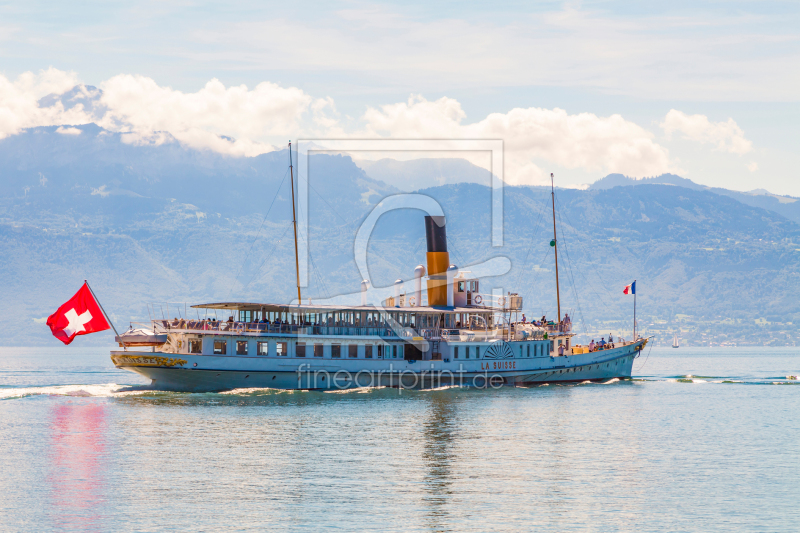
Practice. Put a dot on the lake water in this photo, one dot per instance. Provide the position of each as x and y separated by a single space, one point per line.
700 440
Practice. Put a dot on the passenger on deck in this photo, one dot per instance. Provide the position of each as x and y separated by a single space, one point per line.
592 346
610 340
524 320
560 349
602 343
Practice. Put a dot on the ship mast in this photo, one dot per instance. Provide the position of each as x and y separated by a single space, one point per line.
294 223
555 244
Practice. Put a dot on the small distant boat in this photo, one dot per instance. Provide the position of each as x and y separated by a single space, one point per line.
675 341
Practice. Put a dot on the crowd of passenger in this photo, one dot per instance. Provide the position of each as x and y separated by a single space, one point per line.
602 344
254 325
565 324
216 324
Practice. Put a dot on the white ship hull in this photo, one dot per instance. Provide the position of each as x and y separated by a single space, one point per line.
207 373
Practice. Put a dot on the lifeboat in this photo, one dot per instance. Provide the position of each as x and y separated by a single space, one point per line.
140 337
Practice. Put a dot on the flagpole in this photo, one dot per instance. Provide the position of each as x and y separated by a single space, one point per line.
634 310
294 222
105 314
555 247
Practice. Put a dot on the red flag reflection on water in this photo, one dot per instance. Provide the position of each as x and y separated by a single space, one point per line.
77 466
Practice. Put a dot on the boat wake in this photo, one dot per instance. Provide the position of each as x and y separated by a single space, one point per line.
102 390
257 391
115 390
738 380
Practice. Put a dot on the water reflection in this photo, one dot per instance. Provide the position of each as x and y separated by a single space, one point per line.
438 456
77 466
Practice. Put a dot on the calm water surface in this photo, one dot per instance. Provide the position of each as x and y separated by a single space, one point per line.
701 440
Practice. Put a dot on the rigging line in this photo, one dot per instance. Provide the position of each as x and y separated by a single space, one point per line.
317 273
569 269
539 264
458 257
288 226
528 253
316 270
258 233
392 266
320 279
534 277
646 358
419 243
589 284
572 282
346 223
602 283
320 282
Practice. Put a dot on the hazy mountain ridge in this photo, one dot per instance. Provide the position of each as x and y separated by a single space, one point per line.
422 173
787 206
160 223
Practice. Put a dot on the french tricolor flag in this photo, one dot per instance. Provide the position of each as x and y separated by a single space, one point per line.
630 289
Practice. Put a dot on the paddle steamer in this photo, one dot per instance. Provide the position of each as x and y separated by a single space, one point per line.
450 334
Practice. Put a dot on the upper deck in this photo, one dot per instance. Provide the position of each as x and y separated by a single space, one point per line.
431 323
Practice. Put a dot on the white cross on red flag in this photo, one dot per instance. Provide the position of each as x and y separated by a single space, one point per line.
79 316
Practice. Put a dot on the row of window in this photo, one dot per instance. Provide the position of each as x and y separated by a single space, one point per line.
467 351
475 351
337 351
281 349
411 319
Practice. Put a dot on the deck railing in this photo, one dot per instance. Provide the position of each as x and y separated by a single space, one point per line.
201 326
477 334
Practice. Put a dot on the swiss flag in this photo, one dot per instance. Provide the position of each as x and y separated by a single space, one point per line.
79 316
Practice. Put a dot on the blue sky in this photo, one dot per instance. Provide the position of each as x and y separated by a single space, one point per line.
736 64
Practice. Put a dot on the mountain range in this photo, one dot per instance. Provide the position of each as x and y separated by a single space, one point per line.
157 225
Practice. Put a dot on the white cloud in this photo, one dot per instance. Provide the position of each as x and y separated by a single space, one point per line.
68 131
202 119
752 166
101 191
531 136
19 101
245 122
231 120
726 136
